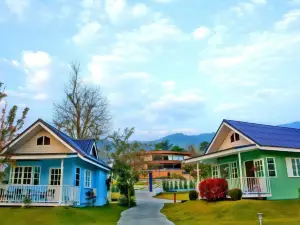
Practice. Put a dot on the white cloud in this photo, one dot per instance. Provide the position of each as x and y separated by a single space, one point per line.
163 1
17 7
247 7
41 96
288 19
169 85
87 33
115 9
37 66
223 107
36 59
201 32
15 63
139 10
159 30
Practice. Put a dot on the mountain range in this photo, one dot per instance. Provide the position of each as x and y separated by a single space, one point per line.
184 140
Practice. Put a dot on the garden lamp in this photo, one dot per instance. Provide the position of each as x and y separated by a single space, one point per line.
260 218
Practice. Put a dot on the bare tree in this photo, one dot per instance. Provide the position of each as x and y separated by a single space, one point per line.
83 112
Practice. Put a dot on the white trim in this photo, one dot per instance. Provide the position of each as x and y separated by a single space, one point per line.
263 165
47 129
90 161
289 166
224 123
13 175
275 168
15 157
280 149
61 181
241 172
219 154
90 178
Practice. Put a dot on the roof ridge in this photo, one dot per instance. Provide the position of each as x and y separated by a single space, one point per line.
277 126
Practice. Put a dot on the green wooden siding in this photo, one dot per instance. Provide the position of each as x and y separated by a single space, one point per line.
282 186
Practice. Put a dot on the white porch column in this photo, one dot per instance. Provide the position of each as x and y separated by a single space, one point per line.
241 172
198 175
61 180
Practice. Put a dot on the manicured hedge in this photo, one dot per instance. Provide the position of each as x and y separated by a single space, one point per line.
235 194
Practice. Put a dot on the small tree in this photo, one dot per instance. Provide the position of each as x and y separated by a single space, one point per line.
129 161
163 145
176 148
203 147
9 124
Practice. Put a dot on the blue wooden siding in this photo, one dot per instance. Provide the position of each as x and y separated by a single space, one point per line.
98 176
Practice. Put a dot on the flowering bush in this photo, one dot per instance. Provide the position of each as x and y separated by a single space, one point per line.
213 189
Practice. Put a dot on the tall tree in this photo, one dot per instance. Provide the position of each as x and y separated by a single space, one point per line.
203 147
176 148
163 145
129 160
9 124
83 112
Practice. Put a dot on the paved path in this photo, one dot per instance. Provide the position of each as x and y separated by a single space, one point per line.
147 211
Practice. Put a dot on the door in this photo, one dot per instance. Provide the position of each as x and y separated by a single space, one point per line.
250 174
54 182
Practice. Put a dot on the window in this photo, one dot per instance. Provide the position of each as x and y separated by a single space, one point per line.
215 171
77 177
55 174
259 168
25 175
234 170
36 175
234 137
94 151
87 179
271 167
296 167
44 140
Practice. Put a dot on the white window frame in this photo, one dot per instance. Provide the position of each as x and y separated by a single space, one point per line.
275 168
43 140
231 170
87 183
217 169
12 175
289 166
263 166
50 169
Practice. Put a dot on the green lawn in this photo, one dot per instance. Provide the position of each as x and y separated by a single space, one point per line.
234 213
106 215
179 196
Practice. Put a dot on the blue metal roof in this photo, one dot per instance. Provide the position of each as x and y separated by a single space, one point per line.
83 147
267 135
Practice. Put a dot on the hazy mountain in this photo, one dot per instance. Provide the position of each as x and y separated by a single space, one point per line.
292 125
183 140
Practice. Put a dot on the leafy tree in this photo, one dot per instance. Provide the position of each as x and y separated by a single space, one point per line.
83 112
203 147
163 145
204 170
129 161
176 148
9 124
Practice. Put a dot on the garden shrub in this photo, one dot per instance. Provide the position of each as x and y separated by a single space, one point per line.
123 201
180 185
185 185
192 184
165 186
235 194
213 189
176 185
27 201
171 185
193 195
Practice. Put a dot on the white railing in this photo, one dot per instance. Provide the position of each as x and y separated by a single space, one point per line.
251 185
39 194
256 185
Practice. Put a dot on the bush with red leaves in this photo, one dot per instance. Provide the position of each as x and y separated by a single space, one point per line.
213 189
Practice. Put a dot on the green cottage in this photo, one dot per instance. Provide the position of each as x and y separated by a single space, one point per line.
262 160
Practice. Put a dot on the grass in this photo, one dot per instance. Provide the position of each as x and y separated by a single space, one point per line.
106 215
170 196
243 212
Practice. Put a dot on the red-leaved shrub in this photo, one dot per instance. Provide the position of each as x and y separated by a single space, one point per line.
213 189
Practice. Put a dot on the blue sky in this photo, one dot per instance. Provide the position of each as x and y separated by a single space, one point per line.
166 66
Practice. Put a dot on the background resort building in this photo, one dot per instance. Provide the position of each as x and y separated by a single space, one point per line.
163 164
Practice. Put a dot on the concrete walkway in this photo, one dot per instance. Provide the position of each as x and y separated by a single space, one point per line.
147 211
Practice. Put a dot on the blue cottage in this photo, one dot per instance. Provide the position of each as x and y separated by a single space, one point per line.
53 169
